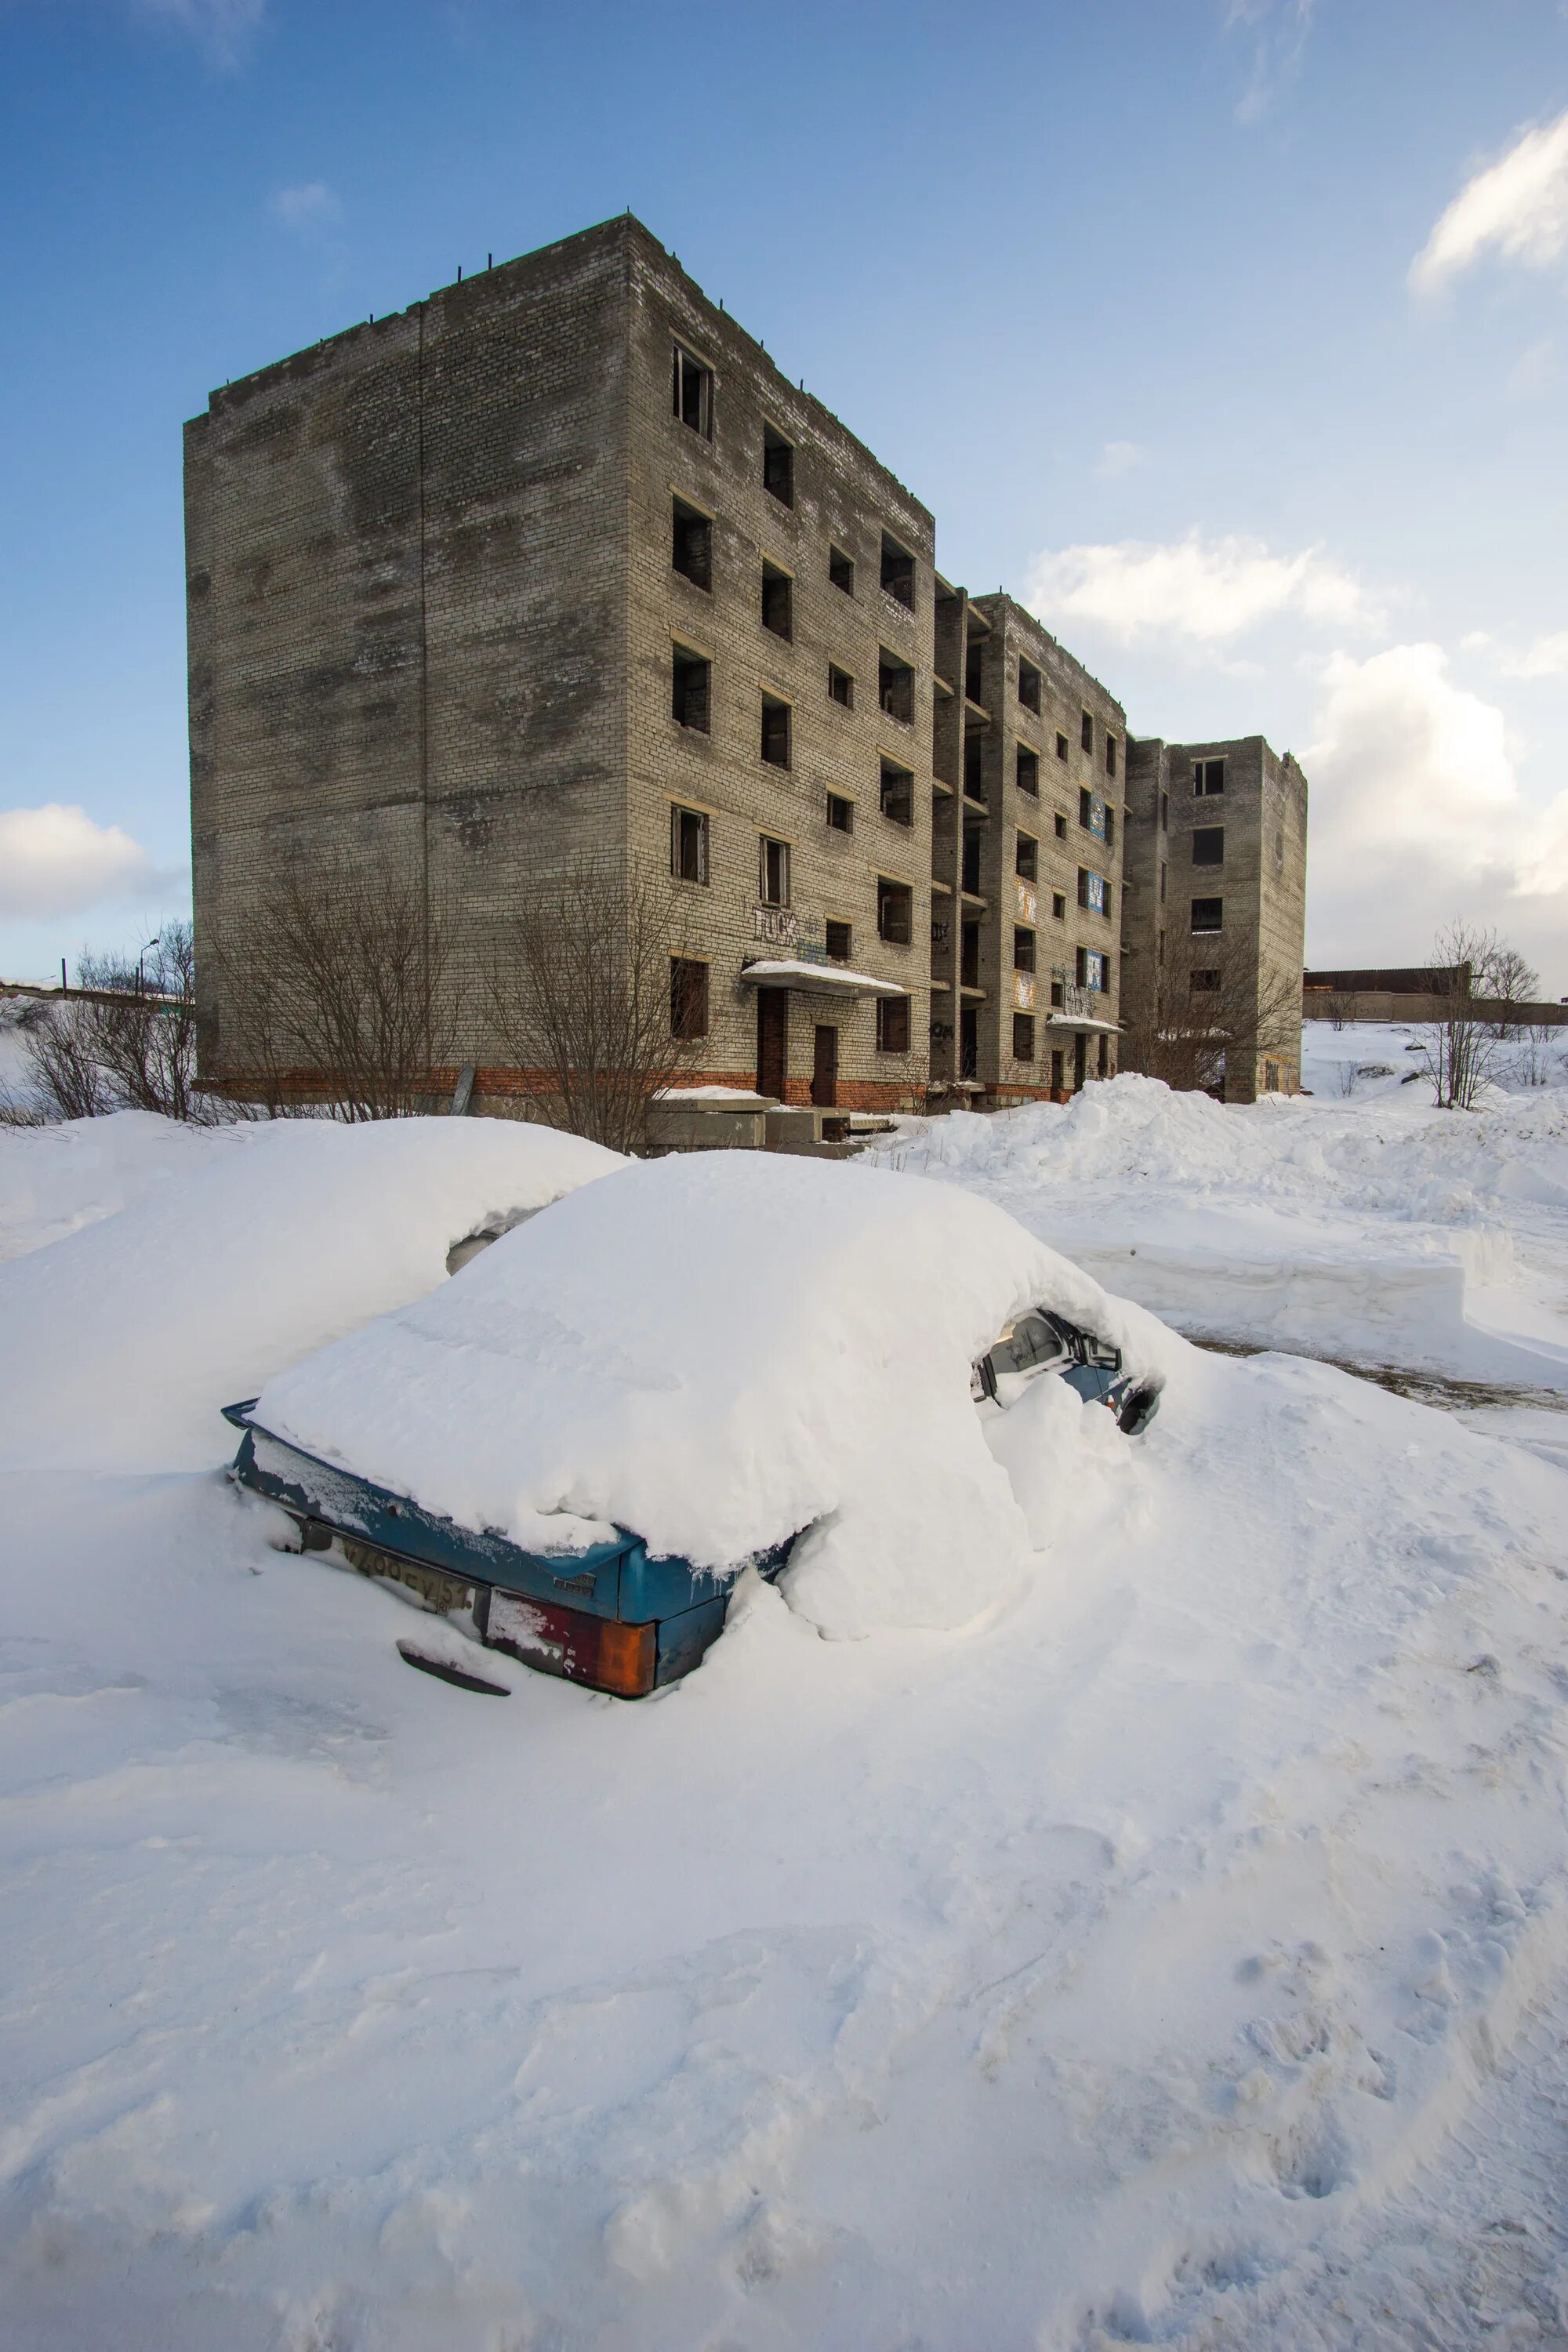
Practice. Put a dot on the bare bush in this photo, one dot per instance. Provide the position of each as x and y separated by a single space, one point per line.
1221 1014
583 993
338 996
1503 975
1334 1005
1458 1049
126 1041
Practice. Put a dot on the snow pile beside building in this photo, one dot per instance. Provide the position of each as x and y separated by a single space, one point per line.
207 1260
1377 1226
718 1353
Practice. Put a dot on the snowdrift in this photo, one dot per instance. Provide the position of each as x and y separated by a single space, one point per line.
718 1351
238 1250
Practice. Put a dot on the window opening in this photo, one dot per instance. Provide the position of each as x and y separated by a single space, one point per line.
1058 906
693 393
1027 772
775 732
1027 859
898 793
778 465
1022 949
690 696
1208 777
1061 747
1023 1036
840 812
1086 731
1028 686
687 997
892 1025
1208 845
688 844
772 871
841 569
895 685
974 671
1061 826
692 551
973 763
1109 754
840 686
777 600
839 939
1208 914
898 571
895 901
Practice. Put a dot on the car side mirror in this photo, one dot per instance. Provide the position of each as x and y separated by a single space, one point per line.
1104 1358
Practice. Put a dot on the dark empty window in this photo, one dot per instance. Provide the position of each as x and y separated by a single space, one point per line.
687 997
840 686
1164 811
895 685
1027 859
1061 747
1086 731
892 1025
1208 776
775 732
1208 914
973 763
690 696
1164 871
974 671
840 812
778 465
1201 983
688 844
1028 686
839 939
1111 755
778 591
898 571
898 793
692 551
1208 845
1023 1036
895 901
1022 949
1058 906
1058 993
1028 771
841 569
1061 825
693 392
772 872
1111 828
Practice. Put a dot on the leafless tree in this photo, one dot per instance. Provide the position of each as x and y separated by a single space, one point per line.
1222 1015
585 997
1336 1006
338 996
1507 980
1458 1049
125 1039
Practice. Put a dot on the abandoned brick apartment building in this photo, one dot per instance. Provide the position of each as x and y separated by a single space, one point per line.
557 567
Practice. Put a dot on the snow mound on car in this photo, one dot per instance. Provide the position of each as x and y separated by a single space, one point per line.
248 1250
718 1351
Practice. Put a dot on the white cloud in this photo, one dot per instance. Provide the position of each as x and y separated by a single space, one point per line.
1542 658
1204 590
1517 207
1277 30
1417 815
55 860
222 28
311 205
1535 371
1119 458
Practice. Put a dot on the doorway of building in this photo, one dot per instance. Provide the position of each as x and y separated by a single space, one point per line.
825 1066
1079 1060
969 1042
772 1041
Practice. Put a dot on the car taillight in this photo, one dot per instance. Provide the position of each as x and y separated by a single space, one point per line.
607 1656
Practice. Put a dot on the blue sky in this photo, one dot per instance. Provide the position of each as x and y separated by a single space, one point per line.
1229 333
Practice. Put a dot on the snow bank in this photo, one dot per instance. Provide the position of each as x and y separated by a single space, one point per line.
238 1250
718 1351
1377 1226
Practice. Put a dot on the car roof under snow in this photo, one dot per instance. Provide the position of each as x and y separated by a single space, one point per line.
716 1351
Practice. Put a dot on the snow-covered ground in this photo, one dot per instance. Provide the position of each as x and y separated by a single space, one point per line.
1369 1224
1174 1952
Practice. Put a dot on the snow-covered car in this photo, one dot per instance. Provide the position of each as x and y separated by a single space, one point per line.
574 1448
